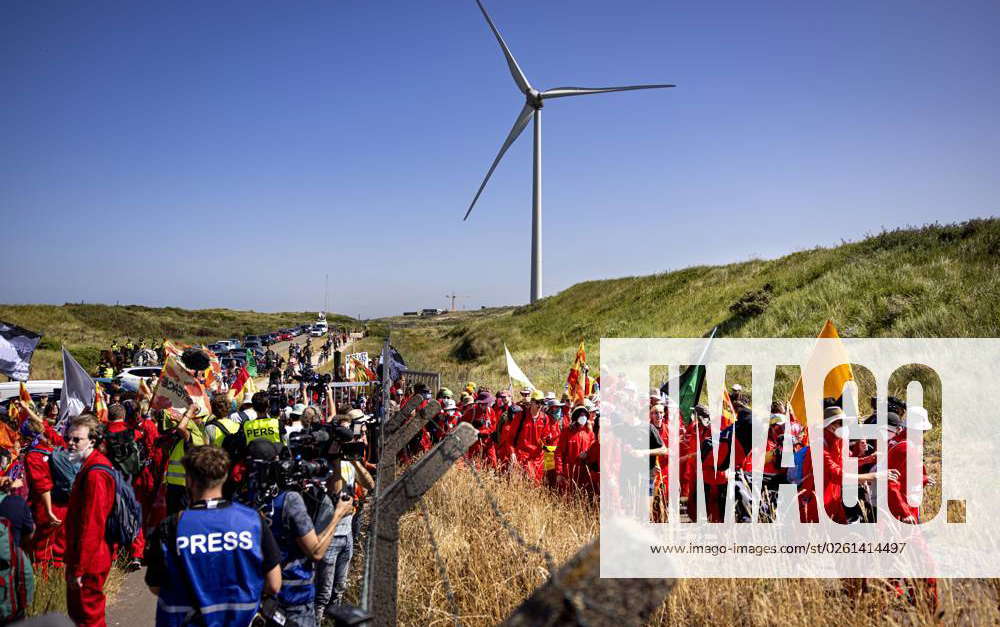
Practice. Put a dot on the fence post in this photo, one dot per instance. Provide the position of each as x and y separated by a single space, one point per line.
578 595
393 503
399 437
387 454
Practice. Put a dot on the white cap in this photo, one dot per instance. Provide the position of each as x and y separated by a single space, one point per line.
737 387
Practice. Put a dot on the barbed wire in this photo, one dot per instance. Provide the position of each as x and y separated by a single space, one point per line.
574 601
449 592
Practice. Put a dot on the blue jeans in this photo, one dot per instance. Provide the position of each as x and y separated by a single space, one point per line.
300 615
331 574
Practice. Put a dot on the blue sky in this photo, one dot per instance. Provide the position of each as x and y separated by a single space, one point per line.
232 153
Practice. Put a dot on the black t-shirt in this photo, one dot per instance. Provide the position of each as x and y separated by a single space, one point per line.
655 441
16 511
156 569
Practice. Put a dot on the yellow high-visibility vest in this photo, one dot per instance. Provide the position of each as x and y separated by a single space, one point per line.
267 428
223 427
175 469
549 458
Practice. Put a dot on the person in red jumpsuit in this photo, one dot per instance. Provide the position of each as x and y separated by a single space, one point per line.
481 416
117 424
904 500
528 434
571 452
833 472
145 483
88 556
48 545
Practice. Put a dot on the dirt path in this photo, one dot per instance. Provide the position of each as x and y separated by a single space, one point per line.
134 605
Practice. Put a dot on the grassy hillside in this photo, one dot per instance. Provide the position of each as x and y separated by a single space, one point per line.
86 329
935 281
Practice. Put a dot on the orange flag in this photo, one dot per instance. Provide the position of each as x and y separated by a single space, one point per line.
576 381
728 411
831 359
144 391
100 407
26 397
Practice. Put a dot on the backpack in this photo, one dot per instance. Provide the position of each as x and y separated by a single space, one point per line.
124 453
63 473
17 578
125 519
794 474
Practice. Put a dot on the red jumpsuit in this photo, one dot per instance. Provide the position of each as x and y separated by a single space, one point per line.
88 555
528 440
833 474
49 542
483 449
574 443
145 483
900 507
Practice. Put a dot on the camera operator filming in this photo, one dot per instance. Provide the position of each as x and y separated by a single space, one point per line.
290 491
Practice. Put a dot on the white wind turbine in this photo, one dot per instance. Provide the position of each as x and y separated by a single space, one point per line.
533 109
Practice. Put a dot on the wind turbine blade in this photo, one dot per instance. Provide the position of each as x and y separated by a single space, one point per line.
515 69
519 124
561 92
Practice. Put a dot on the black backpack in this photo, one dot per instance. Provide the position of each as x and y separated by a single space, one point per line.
124 452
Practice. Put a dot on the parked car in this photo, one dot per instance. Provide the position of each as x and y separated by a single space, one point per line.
234 343
129 378
285 337
37 388
218 348
251 338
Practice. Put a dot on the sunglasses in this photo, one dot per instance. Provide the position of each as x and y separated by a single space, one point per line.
76 440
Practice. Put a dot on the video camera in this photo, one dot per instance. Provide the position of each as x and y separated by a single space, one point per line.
269 478
277 398
327 441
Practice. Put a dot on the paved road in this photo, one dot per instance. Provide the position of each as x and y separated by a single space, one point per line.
134 605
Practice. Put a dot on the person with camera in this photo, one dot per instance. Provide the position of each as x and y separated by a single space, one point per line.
294 525
211 563
331 573
88 556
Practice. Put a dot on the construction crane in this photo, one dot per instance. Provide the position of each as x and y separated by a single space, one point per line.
453 296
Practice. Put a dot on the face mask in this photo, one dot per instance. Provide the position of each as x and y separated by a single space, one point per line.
426 395
581 420
839 432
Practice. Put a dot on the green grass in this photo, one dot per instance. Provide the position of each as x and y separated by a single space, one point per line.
933 281
87 329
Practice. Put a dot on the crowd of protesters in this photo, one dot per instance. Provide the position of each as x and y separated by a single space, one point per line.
62 481
69 474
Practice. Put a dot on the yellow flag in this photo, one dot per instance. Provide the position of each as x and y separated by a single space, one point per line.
828 358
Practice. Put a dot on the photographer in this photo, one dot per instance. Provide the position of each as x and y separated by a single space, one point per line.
210 563
331 574
294 529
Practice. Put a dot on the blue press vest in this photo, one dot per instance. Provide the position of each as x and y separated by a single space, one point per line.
219 553
297 586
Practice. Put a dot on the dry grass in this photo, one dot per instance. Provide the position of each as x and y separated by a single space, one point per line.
50 591
491 574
